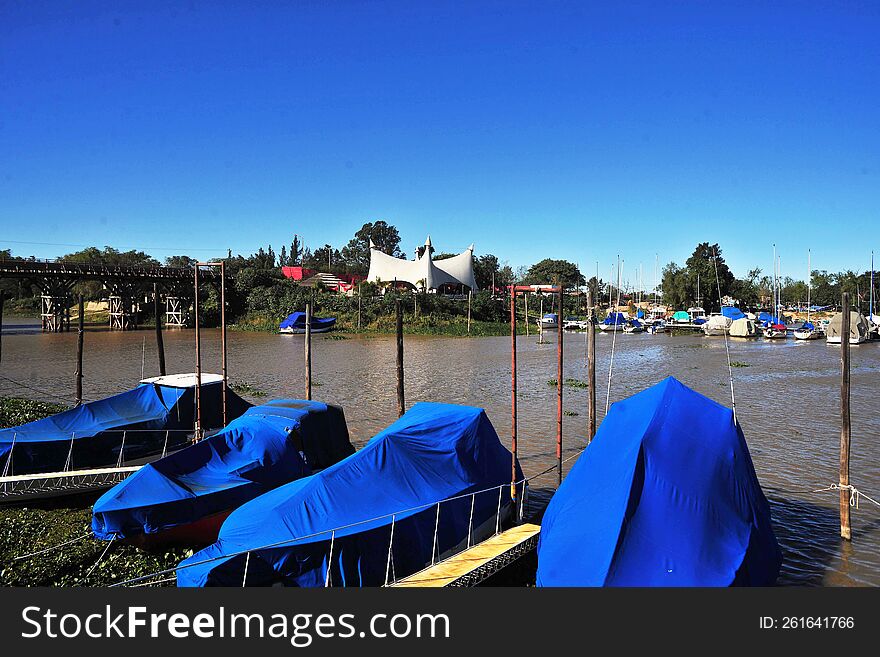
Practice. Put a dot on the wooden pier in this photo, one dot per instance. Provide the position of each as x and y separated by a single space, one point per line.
477 563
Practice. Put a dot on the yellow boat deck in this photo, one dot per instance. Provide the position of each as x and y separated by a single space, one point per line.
475 564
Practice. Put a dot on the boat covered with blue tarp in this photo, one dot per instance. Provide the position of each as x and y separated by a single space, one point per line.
346 517
151 418
185 496
296 323
665 495
732 312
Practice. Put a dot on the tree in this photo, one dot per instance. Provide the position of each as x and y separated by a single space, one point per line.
179 261
486 271
708 275
674 285
356 254
554 272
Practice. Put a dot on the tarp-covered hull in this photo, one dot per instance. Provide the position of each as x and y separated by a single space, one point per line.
665 495
184 497
140 423
435 452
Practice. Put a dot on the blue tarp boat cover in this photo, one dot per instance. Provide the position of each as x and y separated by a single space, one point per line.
434 452
268 446
640 314
732 313
665 495
298 320
618 319
808 326
96 428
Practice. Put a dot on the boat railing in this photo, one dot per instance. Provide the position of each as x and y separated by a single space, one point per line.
8 466
520 500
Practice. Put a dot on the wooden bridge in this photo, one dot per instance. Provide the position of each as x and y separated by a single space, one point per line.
55 279
477 563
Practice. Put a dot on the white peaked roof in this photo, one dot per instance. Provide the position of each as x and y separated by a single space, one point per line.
423 272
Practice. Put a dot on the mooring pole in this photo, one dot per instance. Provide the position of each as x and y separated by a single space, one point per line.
401 406
513 391
559 338
845 429
223 337
79 352
526 304
591 365
469 312
308 350
198 432
359 306
160 344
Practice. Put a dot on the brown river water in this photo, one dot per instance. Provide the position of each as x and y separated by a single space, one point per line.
787 403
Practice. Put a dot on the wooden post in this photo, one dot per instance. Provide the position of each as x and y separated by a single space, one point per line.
308 350
559 338
845 429
160 344
359 306
591 365
79 352
526 304
469 312
198 431
401 406
513 392
225 383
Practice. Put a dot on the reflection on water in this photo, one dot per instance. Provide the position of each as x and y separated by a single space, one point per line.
786 393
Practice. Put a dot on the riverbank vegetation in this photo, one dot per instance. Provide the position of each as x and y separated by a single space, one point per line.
260 295
64 521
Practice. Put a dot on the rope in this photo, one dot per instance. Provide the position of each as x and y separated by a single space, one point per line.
613 341
38 391
726 344
88 574
54 547
854 495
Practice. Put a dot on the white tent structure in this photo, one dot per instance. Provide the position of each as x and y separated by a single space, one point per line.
423 273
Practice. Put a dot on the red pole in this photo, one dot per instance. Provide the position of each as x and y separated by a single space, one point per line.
513 393
559 389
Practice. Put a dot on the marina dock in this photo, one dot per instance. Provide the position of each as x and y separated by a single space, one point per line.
477 563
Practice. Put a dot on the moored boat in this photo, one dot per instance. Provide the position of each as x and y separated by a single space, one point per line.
858 328
435 480
775 331
295 323
665 495
130 428
548 322
183 498
807 331
614 322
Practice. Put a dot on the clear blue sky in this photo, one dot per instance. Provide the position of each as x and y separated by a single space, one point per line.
545 129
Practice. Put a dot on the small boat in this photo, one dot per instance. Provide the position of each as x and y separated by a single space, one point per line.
295 323
681 317
807 331
614 322
634 326
574 324
697 313
183 498
775 331
665 495
858 328
743 328
719 323
433 482
127 429
548 322
656 326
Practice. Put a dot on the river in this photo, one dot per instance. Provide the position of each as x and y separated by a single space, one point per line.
787 395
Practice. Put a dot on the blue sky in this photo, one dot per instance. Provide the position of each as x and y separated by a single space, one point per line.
544 129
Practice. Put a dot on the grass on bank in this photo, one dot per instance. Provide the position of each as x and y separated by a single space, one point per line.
27 529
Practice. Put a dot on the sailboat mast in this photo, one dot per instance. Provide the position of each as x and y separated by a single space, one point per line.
809 284
871 306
